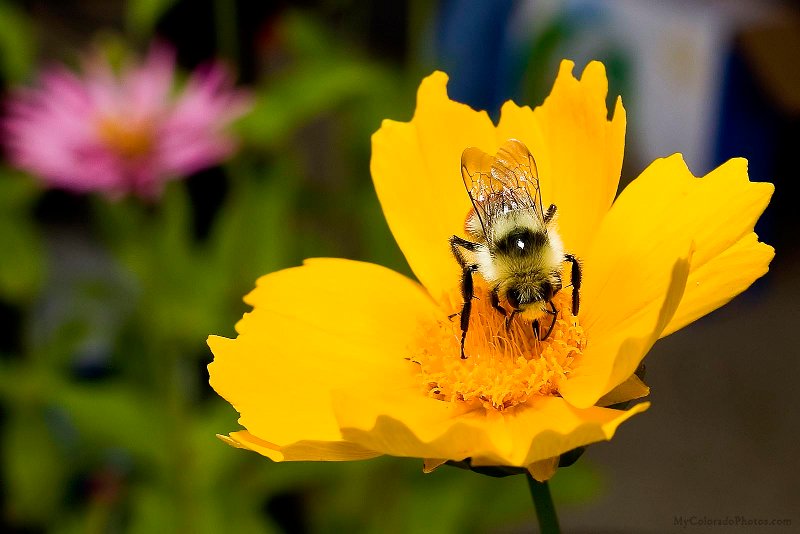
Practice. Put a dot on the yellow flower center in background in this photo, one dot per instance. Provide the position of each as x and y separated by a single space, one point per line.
503 368
128 140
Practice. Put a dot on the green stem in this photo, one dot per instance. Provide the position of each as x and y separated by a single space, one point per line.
543 502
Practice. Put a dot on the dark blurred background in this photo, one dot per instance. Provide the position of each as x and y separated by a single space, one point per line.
97 437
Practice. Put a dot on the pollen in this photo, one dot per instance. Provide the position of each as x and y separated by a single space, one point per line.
127 140
504 367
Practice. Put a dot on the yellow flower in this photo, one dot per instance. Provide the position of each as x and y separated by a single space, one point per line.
342 360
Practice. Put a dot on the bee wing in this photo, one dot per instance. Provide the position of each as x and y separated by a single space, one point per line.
476 171
515 168
506 181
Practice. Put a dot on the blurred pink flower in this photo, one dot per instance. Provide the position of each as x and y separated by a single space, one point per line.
122 132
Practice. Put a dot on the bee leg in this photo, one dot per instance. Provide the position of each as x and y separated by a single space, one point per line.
495 300
467 287
455 243
552 312
466 292
536 326
575 275
459 313
509 319
548 215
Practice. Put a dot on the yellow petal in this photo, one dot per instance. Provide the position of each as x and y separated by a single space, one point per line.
631 292
416 170
574 428
404 423
719 210
300 451
578 151
720 279
632 388
543 470
328 324
628 264
668 204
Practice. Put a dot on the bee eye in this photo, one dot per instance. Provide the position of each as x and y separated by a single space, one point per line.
513 297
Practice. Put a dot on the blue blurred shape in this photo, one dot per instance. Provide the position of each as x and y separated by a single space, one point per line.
472 44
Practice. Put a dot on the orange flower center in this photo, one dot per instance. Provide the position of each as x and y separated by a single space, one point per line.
128 140
504 366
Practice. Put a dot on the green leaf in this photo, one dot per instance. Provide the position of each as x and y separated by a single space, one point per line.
152 510
17 43
143 15
33 466
307 36
181 293
106 415
252 235
114 415
16 189
217 459
21 259
291 101
21 248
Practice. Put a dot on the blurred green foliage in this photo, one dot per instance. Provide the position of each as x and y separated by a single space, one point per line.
22 260
141 16
17 43
108 423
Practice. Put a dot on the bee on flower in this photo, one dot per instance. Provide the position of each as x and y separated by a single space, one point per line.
385 373
515 245
124 131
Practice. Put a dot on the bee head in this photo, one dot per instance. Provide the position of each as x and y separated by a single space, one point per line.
520 295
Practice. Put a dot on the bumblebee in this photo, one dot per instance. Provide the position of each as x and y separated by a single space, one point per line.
513 243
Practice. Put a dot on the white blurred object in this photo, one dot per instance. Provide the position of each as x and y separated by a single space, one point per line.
677 52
